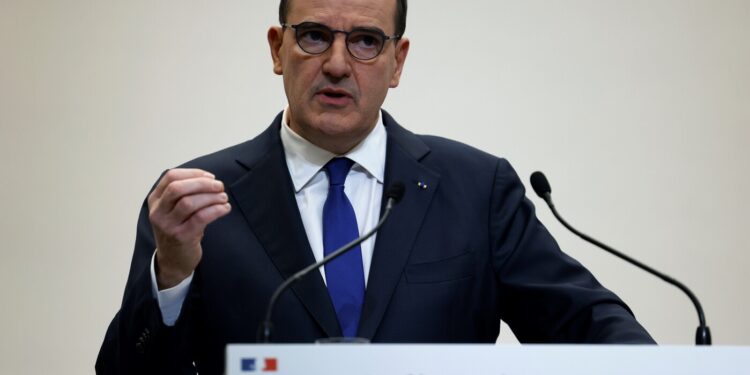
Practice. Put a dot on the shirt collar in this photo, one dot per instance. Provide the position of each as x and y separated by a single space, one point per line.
305 159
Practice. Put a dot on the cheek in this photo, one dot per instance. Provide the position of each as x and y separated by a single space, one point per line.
302 79
370 78
374 85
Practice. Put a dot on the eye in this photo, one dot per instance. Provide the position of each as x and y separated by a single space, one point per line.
368 40
312 34
365 39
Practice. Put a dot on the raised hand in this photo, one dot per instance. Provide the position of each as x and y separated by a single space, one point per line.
183 203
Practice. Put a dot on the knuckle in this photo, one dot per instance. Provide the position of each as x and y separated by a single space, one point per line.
174 189
171 174
207 215
201 216
154 215
173 232
185 204
153 203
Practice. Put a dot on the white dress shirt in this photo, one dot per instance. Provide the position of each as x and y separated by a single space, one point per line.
363 187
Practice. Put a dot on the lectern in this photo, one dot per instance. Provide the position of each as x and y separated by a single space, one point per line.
437 359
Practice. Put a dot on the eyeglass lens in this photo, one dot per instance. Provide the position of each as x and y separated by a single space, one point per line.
316 38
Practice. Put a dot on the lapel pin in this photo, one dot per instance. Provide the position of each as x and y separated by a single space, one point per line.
422 185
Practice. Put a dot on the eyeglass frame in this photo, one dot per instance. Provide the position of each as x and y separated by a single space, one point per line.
385 38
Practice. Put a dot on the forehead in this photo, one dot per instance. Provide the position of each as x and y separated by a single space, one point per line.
345 14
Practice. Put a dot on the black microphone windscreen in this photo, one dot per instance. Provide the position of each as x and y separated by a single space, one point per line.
540 184
395 191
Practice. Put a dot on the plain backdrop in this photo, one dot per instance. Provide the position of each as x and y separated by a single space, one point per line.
637 110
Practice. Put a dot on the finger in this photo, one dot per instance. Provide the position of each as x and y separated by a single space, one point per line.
183 188
190 204
166 214
197 223
177 174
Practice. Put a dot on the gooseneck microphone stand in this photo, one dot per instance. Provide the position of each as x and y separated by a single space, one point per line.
543 190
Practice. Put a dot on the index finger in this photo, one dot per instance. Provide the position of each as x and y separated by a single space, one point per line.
177 174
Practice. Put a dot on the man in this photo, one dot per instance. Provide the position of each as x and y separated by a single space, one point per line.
460 252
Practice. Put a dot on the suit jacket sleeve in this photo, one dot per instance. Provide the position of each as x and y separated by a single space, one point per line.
137 341
550 297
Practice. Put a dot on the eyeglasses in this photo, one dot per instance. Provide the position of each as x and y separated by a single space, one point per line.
362 43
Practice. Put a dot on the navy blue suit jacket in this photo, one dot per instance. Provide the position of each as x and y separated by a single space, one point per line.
452 260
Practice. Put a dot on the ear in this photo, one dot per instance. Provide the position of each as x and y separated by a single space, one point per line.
275 40
402 49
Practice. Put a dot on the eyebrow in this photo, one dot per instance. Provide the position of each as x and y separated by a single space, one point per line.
369 28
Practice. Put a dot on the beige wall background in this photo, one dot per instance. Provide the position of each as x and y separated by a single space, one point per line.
638 111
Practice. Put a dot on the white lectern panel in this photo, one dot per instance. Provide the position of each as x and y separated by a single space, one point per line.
387 359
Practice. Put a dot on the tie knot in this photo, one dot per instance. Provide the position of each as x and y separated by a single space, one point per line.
337 170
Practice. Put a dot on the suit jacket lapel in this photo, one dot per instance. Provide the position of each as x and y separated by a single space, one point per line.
265 197
396 238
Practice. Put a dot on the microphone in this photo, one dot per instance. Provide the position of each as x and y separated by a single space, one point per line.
393 195
543 190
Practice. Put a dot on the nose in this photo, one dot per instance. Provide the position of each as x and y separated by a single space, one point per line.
338 61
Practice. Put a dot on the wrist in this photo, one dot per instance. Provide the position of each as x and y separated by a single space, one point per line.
167 276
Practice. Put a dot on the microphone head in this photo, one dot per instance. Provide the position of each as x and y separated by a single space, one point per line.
541 185
395 191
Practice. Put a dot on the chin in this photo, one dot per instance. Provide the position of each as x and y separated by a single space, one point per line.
339 132
339 124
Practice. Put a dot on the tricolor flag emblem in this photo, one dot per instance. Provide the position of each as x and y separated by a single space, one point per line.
270 364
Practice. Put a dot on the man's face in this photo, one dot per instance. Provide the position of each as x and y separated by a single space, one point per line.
334 98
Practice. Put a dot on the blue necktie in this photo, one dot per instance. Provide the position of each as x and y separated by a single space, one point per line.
344 275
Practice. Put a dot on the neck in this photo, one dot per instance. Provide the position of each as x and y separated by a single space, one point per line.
331 140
